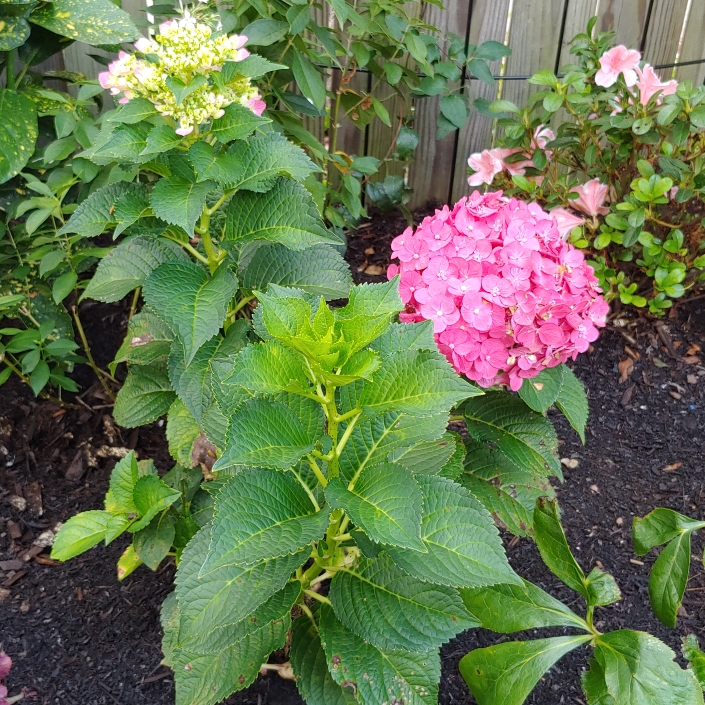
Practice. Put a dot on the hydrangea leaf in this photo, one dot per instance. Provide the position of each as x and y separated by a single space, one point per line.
123 478
190 301
237 123
372 300
123 144
426 457
259 515
129 208
668 579
506 673
151 495
462 545
661 526
285 214
603 589
385 502
18 132
320 270
179 201
572 402
144 397
79 533
695 657
374 675
148 340
96 213
155 540
405 336
541 392
181 431
393 610
128 266
161 139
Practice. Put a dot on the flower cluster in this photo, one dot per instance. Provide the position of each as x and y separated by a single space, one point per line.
184 51
507 296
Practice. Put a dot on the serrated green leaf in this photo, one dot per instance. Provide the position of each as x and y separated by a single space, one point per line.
79 533
525 437
514 608
267 434
541 392
308 661
154 541
373 300
695 657
151 496
148 340
634 668
228 594
18 132
129 208
286 214
179 201
668 579
405 336
320 270
117 525
144 397
462 545
122 144
122 482
192 303
181 431
95 214
161 139
136 110
453 469
426 457
415 382
385 502
661 526
506 673
378 676
89 21
128 266
572 402
391 610
237 123
259 515
268 157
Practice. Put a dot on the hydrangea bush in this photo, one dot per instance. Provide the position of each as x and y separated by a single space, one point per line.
507 296
620 168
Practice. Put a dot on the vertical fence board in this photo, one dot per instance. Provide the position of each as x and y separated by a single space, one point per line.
488 22
693 45
664 32
625 17
577 17
431 173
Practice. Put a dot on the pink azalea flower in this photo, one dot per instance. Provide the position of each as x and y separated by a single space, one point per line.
566 221
486 167
615 61
649 84
591 198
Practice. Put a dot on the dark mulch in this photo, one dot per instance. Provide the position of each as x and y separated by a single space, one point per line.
77 636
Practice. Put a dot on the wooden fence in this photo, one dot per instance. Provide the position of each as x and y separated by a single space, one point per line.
538 32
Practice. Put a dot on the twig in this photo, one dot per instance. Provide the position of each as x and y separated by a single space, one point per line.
86 347
666 339
135 301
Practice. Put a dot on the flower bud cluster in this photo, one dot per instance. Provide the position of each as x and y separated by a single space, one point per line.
507 296
184 49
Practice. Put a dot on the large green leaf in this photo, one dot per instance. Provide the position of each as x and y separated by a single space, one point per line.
88 21
96 213
405 336
228 594
515 608
179 201
462 545
308 661
426 457
15 28
541 392
128 266
151 496
417 382
193 303
572 402
18 132
377 676
265 158
320 270
144 397
661 526
392 610
286 214
525 437
154 541
385 502
506 673
148 340
259 515
668 579
79 533
123 144
634 668
237 123
266 433
181 432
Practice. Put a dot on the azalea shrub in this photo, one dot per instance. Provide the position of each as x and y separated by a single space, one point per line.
625 666
615 152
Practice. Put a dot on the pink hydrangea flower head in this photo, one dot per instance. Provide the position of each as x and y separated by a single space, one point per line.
591 198
649 84
507 296
486 166
618 60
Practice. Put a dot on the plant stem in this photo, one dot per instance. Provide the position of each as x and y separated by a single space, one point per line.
135 301
204 230
10 79
87 349
316 470
322 577
240 305
316 596
348 432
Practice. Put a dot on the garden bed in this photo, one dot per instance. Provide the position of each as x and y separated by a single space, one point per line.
76 635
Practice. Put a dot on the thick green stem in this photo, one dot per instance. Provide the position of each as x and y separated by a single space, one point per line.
316 596
11 57
316 470
208 246
240 305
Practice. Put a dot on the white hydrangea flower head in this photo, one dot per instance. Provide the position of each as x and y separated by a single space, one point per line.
184 50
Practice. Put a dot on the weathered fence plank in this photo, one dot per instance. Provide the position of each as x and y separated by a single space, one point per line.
664 32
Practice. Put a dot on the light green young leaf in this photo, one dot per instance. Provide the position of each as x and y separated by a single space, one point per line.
390 609
695 657
181 431
79 533
602 588
319 271
259 515
540 393
151 496
267 434
525 437
514 608
117 525
659 527
634 668
128 266
506 673
378 676
462 545
148 340
144 397
386 503
122 482
179 201
192 303
668 579
286 214
372 300
572 402
154 541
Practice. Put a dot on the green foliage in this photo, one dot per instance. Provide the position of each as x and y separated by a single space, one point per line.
626 667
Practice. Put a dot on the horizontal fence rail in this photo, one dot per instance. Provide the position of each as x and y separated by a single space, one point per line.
669 33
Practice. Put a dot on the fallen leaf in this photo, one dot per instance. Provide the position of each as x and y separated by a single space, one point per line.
374 270
672 467
659 362
626 367
634 355
694 348
370 251
691 360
